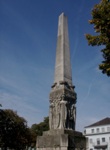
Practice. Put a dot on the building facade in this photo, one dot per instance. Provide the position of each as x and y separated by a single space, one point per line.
98 135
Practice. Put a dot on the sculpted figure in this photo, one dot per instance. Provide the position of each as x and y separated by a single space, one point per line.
51 116
72 116
63 114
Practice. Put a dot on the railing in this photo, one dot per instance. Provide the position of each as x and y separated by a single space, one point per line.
96 144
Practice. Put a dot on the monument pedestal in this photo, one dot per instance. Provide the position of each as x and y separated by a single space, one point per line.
60 139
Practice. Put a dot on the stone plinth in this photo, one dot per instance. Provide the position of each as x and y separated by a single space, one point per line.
61 140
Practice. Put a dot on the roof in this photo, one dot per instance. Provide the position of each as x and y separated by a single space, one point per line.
104 121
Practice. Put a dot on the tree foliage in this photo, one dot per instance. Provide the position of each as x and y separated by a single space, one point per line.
37 129
101 21
42 126
14 133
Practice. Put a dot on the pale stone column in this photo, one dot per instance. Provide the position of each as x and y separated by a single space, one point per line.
62 82
63 65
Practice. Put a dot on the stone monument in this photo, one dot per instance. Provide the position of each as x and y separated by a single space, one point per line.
62 110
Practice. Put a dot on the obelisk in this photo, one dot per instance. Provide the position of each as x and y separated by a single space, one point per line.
62 110
63 65
62 96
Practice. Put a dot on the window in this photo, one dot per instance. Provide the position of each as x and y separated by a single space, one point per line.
103 139
98 141
90 140
97 130
108 129
103 129
92 130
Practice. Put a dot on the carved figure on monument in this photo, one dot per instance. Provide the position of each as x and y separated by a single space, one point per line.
63 114
51 116
72 116
56 115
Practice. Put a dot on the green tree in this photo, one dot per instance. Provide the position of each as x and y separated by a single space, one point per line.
14 133
101 21
42 126
37 130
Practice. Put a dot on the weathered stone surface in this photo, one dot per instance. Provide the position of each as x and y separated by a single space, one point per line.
61 139
62 110
63 66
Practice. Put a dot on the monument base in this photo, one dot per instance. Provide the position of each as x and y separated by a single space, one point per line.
60 139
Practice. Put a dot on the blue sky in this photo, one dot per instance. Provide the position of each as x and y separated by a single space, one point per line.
28 34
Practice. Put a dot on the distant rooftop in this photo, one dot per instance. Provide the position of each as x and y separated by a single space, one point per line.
104 121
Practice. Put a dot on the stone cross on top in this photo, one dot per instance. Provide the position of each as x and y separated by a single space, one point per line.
62 112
